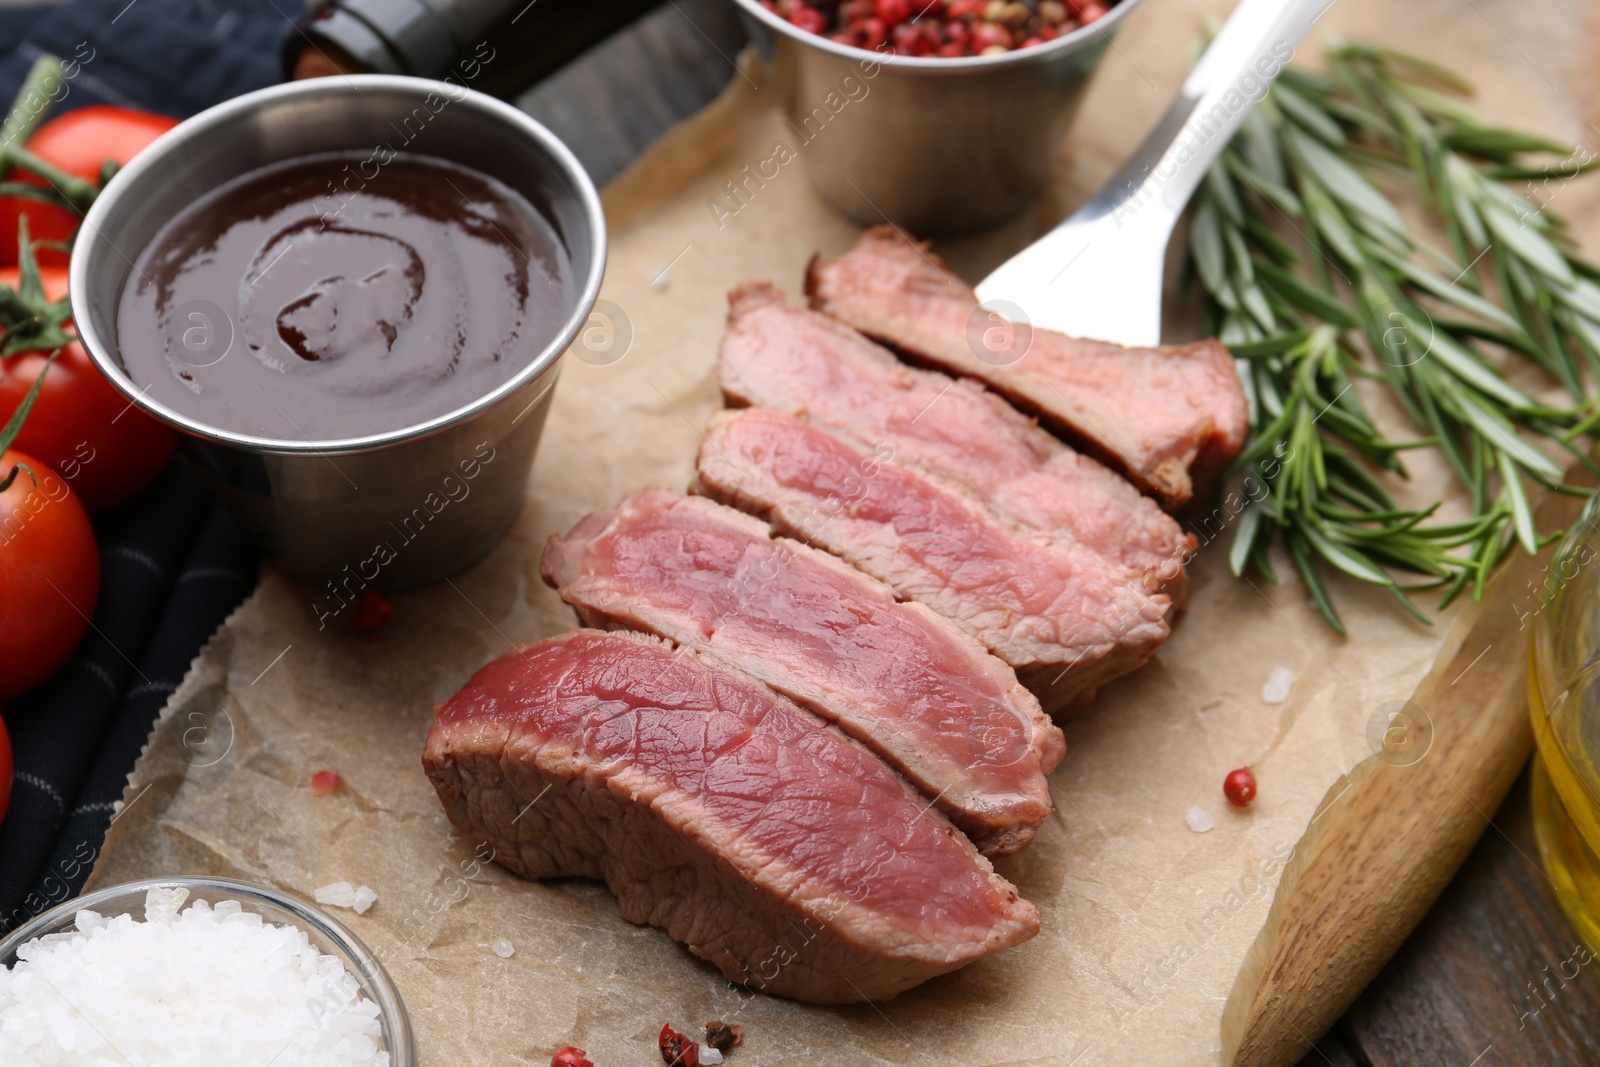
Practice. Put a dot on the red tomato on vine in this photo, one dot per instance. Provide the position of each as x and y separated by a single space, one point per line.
79 142
49 573
107 450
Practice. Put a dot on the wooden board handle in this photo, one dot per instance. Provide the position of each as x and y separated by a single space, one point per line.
1389 836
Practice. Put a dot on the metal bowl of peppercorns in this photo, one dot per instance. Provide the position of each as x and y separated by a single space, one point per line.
941 115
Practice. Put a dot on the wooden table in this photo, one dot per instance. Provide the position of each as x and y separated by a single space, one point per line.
1468 987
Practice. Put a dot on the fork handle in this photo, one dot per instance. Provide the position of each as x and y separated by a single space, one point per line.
1256 43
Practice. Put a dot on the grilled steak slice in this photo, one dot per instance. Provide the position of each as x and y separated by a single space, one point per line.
1171 417
812 366
897 677
1065 617
771 845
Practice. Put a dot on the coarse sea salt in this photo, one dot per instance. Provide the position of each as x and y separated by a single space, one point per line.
1279 682
335 895
203 987
1199 819
503 948
345 895
364 899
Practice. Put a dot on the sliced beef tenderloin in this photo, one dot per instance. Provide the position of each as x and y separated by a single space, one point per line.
898 677
815 367
1169 417
1063 616
771 845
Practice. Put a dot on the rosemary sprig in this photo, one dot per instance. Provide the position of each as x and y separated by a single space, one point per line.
1338 289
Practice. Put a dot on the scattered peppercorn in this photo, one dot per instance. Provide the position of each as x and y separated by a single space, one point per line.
723 1036
948 28
1239 787
370 611
571 1056
324 782
677 1050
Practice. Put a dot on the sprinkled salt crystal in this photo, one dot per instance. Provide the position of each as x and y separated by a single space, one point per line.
364 899
710 1056
162 904
202 986
336 894
1279 682
503 948
1199 821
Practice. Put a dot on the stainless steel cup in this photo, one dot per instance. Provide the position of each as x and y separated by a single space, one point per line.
940 146
393 510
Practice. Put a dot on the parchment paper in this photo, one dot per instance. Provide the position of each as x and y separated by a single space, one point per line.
1145 920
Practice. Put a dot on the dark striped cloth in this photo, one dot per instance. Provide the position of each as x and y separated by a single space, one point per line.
173 563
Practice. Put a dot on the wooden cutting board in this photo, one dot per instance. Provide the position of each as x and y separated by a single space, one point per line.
1390 835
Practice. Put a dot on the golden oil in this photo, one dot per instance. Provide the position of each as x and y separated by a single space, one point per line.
1564 701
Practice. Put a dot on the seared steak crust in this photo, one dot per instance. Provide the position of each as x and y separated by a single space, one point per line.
765 841
1170 417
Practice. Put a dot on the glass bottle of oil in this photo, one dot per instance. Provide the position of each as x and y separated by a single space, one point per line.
1564 688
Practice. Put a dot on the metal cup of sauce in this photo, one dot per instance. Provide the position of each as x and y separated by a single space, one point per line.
938 145
395 509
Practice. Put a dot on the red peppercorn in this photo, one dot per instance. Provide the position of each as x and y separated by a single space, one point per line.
893 12
809 19
724 1036
370 611
909 40
571 1056
950 28
874 31
988 35
1239 787
324 782
677 1050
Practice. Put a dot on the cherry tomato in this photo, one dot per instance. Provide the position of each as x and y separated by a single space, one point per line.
107 450
5 770
49 575
78 142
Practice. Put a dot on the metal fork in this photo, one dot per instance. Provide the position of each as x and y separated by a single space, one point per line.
1099 273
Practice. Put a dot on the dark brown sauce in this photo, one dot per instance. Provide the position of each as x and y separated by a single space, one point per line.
303 302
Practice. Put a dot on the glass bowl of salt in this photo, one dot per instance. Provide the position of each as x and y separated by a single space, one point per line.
207 972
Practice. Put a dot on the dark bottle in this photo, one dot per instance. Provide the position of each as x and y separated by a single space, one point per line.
499 46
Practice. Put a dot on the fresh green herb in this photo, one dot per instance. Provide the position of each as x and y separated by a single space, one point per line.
1339 289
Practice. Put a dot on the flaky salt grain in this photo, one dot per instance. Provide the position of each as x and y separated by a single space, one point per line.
1279 682
1199 819
345 895
335 895
363 899
204 987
